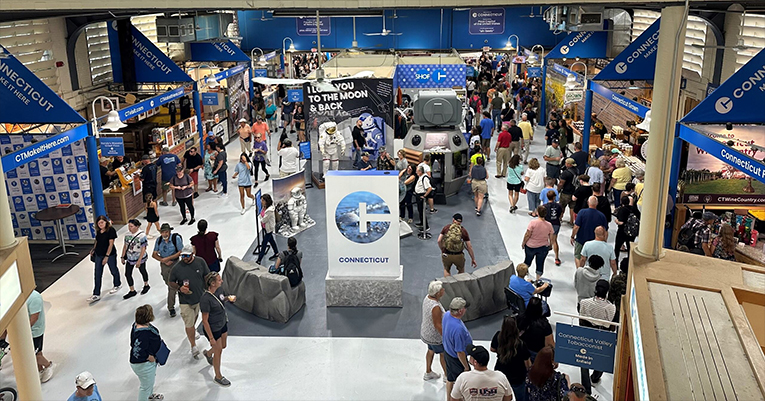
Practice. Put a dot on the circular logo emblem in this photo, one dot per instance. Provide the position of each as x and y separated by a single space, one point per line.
723 105
362 217
439 76
621 67
564 50
422 76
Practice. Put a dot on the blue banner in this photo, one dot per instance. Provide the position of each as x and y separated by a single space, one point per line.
430 75
260 73
216 51
534 72
306 26
295 95
112 146
210 99
585 347
42 148
486 21
229 72
587 44
26 99
637 61
305 150
619 100
151 64
739 100
150 103
726 154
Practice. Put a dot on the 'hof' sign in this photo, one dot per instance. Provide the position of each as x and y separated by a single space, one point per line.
362 223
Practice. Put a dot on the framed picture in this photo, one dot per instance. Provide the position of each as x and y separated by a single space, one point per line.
170 138
137 186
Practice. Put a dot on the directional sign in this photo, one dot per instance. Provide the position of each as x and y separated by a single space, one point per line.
295 95
112 146
261 72
210 99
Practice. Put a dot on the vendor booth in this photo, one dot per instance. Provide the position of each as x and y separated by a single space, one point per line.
722 167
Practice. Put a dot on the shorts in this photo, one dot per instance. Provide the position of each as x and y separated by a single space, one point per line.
194 176
514 187
485 142
165 186
479 186
38 343
287 118
565 200
456 259
437 348
578 250
189 313
217 334
453 367
556 229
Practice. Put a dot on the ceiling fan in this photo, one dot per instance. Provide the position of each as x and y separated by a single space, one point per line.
263 16
320 84
385 32
395 16
532 15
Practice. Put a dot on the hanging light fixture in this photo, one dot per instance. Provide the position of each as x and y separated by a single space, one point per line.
571 82
210 81
646 124
113 122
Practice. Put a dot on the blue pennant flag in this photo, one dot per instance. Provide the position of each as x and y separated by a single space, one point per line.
151 64
739 100
217 51
587 44
637 61
25 99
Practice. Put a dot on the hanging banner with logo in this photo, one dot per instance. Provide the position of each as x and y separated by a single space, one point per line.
419 76
739 100
24 155
216 51
362 223
151 64
260 72
637 61
585 347
306 26
534 72
210 99
150 103
111 146
229 72
717 173
295 95
619 100
573 96
587 44
24 98
486 21
367 99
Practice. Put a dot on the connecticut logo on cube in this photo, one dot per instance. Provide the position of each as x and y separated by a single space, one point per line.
363 217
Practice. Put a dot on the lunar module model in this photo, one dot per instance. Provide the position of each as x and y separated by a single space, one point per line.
437 130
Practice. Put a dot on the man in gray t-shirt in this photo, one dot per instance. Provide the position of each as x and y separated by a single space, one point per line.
188 277
553 156
220 168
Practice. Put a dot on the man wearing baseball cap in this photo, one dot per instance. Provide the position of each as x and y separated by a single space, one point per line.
245 136
481 383
86 388
452 244
456 339
188 277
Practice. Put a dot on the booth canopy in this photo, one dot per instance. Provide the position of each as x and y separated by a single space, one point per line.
587 44
637 61
151 64
217 51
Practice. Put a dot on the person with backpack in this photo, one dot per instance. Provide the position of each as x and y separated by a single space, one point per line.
167 250
628 225
452 241
288 263
695 235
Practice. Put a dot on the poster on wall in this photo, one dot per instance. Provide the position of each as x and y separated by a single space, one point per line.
306 26
486 21
707 179
291 205
370 100
58 177
238 98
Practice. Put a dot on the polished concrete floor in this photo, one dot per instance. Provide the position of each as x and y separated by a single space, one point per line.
339 366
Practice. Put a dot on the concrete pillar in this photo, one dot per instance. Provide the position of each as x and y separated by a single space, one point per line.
669 64
23 355
733 19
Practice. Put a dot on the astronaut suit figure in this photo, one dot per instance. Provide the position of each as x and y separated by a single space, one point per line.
297 206
331 145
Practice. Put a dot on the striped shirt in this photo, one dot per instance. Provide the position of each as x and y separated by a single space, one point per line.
597 308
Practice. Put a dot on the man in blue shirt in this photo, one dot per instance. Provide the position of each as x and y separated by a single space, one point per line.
523 288
167 163
487 130
587 220
456 339
86 388
167 250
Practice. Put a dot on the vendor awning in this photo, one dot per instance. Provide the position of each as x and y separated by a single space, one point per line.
217 51
637 61
151 64
24 98
587 44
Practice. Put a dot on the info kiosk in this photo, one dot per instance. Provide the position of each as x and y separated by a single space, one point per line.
436 131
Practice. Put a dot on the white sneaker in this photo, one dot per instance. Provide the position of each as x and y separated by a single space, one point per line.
253 202
93 298
243 210
430 376
195 352
47 373
115 289
156 396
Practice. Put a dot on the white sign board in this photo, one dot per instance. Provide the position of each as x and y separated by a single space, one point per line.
573 96
637 353
362 223
10 288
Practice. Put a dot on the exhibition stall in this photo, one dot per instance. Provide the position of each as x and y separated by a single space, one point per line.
225 97
722 167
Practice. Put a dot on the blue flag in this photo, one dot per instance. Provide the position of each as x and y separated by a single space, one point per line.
217 51
151 64
637 61
587 44
26 99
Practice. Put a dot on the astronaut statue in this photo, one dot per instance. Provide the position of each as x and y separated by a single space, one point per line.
297 208
331 145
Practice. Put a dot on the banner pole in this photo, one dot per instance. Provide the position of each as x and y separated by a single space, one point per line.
96 186
587 118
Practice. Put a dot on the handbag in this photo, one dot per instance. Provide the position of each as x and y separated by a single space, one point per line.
162 354
523 184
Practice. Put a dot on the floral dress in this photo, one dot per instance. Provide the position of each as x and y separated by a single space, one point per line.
547 392
209 158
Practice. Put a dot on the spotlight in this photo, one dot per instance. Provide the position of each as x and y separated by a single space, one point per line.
729 126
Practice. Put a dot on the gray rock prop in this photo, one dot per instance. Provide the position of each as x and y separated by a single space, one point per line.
483 289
